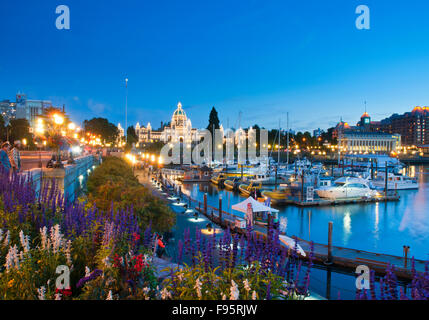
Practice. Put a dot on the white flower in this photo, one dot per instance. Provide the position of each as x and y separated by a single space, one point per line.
58 296
197 287
254 295
6 239
56 238
25 241
165 294
87 272
44 238
246 285
1 235
12 258
41 293
67 252
109 296
223 297
106 262
180 276
234 292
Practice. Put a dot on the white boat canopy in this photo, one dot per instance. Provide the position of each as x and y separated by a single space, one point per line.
256 206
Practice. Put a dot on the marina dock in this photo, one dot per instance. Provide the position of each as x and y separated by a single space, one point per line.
346 259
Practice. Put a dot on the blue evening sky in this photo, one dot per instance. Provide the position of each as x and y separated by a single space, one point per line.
261 57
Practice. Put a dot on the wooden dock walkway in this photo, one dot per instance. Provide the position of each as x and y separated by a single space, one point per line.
344 258
326 202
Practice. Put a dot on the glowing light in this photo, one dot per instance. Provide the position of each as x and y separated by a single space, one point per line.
59 120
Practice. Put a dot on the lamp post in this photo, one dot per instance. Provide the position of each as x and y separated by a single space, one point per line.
58 121
126 108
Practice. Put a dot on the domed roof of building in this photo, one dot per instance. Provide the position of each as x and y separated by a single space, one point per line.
365 115
179 111
179 117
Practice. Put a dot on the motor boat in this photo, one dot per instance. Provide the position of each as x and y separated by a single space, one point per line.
395 181
218 179
231 185
264 179
347 187
249 189
277 197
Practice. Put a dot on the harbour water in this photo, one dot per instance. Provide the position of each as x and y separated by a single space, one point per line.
383 227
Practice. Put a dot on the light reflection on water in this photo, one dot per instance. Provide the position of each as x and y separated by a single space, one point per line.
377 227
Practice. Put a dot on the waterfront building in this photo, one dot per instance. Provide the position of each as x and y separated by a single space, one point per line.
178 130
366 137
7 110
370 142
412 126
30 109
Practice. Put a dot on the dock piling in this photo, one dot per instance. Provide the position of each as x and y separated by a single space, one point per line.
329 260
205 203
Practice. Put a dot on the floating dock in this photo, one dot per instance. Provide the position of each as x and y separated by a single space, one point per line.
343 258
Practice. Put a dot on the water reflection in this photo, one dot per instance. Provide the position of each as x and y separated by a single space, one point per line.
379 227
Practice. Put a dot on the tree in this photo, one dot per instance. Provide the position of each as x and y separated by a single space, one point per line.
20 130
214 122
2 128
131 135
101 126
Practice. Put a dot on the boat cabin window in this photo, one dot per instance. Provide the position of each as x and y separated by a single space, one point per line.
339 184
357 185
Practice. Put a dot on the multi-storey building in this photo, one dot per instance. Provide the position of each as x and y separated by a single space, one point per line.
7 110
30 109
366 137
412 126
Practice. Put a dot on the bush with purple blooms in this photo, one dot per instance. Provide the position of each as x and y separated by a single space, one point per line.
40 232
233 267
390 289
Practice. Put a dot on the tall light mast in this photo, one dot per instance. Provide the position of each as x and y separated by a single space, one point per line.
126 107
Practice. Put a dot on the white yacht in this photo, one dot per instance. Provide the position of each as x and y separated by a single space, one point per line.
346 187
394 181
264 179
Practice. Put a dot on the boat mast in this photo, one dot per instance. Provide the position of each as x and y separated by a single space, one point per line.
278 151
287 124
339 140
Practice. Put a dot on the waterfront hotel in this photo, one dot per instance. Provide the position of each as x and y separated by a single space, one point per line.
366 137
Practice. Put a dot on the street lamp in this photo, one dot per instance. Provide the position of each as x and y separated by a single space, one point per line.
72 126
58 119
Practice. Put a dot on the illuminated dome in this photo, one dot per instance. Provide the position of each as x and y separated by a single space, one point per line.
420 109
365 115
179 117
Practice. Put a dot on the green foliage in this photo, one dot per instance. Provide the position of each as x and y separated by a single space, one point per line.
101 126
114 183
19 130
239 283
213 120
131 136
